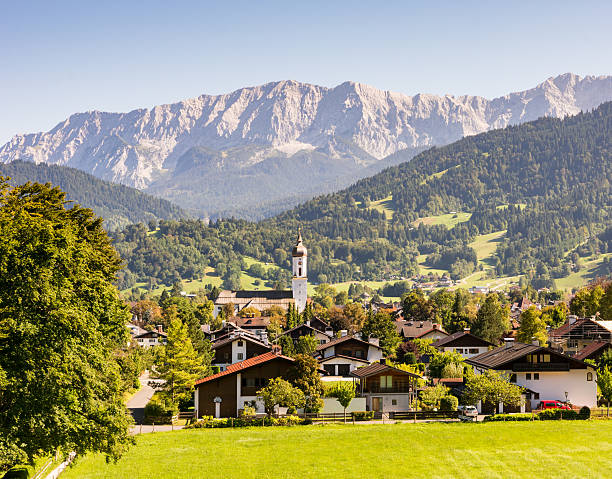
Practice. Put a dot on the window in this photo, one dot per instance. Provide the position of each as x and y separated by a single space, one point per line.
589 376
386 382
253 382
240 344
572 343
513 378
545 358
344 369
473 350
322 341
528 376
330 368
459 350
240 356
536 395
359 353
300 271
394 402
226 356
536 376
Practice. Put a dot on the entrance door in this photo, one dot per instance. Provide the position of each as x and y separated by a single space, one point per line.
377 404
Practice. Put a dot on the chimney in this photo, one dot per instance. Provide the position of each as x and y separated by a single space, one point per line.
343 332
534 341
160 328
383 361
223 323
508 342
264 337
329 331
308 322
466 330
373 340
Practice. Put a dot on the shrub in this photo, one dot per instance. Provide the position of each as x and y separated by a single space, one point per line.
449 403
159 410
553 414
363 415
210 422
585 412
510 417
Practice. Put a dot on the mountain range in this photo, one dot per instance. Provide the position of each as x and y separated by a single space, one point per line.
260 150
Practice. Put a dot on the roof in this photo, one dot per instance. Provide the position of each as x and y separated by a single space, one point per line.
153 333
499 357
590 327
238 337
376 368
468 340
343 356
416 329
255 322
254 298
590 349
301 326
299 249
343 339
242 365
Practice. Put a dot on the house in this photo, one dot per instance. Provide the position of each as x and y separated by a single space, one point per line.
546 373
386 389
593 351
262 300
306 329
238 346
464 343
578 333
410 330
479 290
226 393
151 338
255 324
340 356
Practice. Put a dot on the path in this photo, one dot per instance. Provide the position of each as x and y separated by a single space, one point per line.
139 400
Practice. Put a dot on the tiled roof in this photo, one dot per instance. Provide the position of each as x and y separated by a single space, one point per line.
496 358
335 341
343 356
253 298
592 348
376 368
448 340
242 365
236 337
256 322
416 329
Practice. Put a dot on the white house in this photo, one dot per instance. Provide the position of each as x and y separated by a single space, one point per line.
238 346
464 343
340 356
151 338
547 374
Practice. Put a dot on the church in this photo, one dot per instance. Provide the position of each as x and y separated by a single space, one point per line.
263 300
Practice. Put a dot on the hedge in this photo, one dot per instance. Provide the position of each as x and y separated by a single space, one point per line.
210 422
449 403
546 415
363 415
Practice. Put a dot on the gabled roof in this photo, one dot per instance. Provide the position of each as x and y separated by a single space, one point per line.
242 365
255 322
467 338
377 368
343 339
254 298
147 334
589 327
343 356
499 357
238 337
416 329
590 349
302 326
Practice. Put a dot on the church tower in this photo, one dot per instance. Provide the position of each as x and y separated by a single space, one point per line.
299 284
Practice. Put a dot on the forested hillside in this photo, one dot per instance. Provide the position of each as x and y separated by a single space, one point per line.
544 185
119 205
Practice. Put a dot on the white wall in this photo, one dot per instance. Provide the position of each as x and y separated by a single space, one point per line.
331 405
374 354
552 386
238 349
481 349
403 402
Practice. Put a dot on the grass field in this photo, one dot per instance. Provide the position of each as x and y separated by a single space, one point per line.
491 450
450 220
384 205
582 277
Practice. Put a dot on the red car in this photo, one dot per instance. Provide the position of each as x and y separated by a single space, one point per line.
553 405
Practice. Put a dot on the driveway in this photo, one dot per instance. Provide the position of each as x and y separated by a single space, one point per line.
139 400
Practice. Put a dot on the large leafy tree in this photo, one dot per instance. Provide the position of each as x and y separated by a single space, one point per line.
304 375
493 387
492 320
532 326
61 318
380 325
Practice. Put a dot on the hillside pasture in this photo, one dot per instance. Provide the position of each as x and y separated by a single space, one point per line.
450 220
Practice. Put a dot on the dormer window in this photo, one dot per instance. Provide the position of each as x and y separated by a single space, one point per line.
240 344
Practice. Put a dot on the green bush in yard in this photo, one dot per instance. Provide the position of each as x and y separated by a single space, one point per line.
159 410
449 403
553 414
510 417
245 421
585 412
363 415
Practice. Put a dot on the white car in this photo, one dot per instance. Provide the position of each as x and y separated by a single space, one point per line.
468 412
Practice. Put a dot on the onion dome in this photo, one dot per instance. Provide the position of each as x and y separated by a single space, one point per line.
299 249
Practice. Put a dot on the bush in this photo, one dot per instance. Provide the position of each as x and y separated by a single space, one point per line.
449 403
510 417
554 414
363 415
245 421
585 412
159 410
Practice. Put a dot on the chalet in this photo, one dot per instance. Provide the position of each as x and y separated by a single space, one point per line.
579 333
307 330
386 389
151 338
547 374
236 347
226 393
340 356
593 351
410 330
255 324
464 343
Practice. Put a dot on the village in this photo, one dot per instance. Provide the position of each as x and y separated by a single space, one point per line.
394 365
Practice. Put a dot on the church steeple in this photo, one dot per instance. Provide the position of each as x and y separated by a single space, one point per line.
299 284
299 249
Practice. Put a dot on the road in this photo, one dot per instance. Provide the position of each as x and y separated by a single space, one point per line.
139 400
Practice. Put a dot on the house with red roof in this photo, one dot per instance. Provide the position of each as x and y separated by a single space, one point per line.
409 330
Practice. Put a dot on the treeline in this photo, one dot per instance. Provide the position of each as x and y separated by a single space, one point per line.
547 183
119 205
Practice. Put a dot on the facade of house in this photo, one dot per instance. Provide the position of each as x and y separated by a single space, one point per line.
307 330
546 373
464 343
593 351
340 356
225 394
151 338
409 330
236 347
385 388
262 300
578 333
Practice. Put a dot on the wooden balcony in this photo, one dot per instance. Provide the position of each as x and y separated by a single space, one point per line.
530 367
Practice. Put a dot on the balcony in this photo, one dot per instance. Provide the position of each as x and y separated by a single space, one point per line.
395 389
529 367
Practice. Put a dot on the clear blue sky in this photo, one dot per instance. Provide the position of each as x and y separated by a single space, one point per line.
59 57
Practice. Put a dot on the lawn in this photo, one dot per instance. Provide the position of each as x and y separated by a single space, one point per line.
540 449
384 205
582 277
450 220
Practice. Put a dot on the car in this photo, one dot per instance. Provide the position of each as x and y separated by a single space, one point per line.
549 404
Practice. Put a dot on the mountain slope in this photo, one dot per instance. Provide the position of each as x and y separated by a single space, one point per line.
119 205
218 153
544 187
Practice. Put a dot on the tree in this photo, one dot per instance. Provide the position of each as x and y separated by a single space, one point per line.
446 364
493 387
282 393
306 344
249 311
147 311
344 392
432 395
604 383
416 307
304 375
586 301
356 316
532 326
492 320
179 364
61 319
380 325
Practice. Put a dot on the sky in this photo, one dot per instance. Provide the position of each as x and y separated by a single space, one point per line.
62 57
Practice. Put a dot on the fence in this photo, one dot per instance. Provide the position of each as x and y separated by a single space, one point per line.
392 416
600 412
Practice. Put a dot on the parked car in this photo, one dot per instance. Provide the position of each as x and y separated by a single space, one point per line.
468 413
548 404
